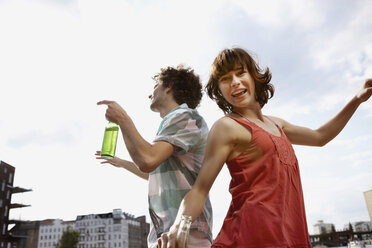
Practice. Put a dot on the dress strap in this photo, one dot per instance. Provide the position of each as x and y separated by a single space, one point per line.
273 122
250 126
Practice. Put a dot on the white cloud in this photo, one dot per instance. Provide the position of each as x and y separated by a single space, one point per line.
67 134
352 143
347 45
280 14
289 109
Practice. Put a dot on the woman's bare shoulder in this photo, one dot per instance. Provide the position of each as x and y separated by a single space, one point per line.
224 123
230 128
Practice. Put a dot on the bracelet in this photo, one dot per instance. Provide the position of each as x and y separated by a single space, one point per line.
183 231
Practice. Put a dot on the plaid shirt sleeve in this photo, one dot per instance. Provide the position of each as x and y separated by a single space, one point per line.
180 130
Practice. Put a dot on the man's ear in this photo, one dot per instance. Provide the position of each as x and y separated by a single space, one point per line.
168 89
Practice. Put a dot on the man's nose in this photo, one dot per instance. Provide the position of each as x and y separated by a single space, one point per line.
150 97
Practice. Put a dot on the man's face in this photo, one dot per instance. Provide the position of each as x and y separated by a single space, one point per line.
157 97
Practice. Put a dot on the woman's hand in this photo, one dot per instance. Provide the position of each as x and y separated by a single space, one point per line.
366 91
168 239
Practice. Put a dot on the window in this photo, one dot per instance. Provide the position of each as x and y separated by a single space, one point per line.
6 211
10 178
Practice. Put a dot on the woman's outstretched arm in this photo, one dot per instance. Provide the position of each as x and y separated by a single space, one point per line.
329 130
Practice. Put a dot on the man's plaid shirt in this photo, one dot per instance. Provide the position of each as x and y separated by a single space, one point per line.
186 129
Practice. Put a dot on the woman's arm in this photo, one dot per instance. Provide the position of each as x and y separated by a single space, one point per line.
328 131
219 146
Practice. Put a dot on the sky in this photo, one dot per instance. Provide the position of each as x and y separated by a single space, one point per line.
59 58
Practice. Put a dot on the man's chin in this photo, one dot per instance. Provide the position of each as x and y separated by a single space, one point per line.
153 108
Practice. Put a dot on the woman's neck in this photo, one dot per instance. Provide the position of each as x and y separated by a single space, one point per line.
250 113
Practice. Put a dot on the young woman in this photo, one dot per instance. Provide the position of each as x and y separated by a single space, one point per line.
267 207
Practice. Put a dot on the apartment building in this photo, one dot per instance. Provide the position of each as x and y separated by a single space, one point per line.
6 191
320 227
116 229
50 232
368 198
112 230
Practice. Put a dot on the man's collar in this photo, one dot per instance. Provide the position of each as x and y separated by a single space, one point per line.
182 106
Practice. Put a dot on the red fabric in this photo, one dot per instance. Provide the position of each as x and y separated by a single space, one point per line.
267 207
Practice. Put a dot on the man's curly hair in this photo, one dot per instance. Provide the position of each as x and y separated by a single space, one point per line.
185 84
226 61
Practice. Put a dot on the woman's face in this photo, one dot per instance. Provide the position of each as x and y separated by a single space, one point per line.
237 87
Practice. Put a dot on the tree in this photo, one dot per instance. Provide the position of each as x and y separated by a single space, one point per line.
69 239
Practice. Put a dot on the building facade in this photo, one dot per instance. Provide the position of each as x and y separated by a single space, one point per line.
50 232
6 183
109 230
6 190
359 226
26 234
320 227
112 230
368 198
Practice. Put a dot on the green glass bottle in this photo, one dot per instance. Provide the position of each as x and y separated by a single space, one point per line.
109 140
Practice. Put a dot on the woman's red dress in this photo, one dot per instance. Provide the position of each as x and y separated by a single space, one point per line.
267 207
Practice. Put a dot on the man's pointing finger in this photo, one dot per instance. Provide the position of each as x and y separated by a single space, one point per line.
104 102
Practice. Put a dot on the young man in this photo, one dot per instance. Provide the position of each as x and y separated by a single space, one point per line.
172 162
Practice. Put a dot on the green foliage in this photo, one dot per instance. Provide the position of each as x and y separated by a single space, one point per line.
69 239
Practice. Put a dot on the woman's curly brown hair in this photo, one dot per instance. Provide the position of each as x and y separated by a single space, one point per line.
226 61
185 84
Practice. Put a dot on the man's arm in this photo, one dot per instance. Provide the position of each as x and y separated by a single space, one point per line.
121 163
328 131
145 155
